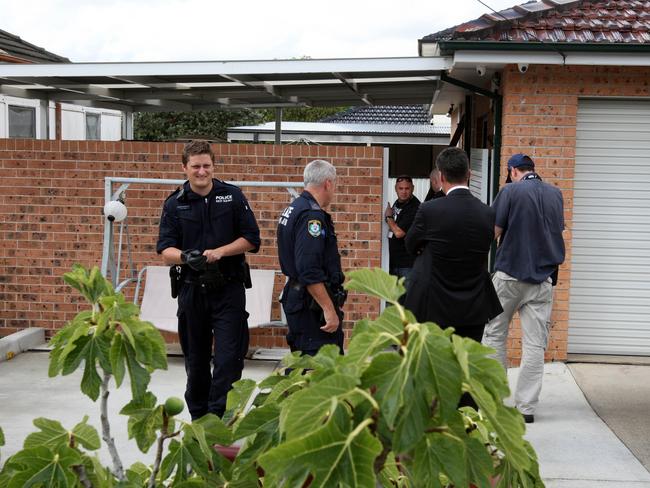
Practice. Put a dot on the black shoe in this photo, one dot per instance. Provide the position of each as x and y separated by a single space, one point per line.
529 418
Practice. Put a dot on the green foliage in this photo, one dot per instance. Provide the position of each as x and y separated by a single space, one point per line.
386 414
109 336
301 114
170 126
213 125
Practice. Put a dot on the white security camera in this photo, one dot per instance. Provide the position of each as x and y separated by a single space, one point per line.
115 211
480 70
522 67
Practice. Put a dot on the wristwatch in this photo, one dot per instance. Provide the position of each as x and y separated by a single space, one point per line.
388 217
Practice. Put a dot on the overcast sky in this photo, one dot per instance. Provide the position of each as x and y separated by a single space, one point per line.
186 30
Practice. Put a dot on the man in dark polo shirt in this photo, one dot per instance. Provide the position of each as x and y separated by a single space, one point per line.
399 218
529 222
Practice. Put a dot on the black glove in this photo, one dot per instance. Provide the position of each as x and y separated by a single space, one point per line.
194 259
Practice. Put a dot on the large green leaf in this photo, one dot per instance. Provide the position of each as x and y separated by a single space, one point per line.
86 435
388 378
91 381
375 335
53 435
182 455
264 418
43 467
507 423
240 395
2 437
215 430
253 447
433 367
138 376
145 418
308 409
486 370
337 454
117 357
138 474
377 283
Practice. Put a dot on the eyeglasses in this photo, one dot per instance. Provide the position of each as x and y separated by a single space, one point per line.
404 178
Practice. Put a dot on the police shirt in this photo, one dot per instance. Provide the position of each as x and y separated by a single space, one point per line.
307 245
190 221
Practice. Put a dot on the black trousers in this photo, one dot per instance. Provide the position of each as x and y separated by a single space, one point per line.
212 325
304 323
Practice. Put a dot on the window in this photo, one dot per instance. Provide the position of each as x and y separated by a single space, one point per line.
93 126
22 122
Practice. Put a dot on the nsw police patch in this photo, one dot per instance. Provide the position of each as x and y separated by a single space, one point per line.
314 228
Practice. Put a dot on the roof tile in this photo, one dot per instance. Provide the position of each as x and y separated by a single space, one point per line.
577 21
15 46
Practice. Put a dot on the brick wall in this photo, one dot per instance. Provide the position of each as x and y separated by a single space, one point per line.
52 194
539 118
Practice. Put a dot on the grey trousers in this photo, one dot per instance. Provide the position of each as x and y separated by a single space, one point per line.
534 303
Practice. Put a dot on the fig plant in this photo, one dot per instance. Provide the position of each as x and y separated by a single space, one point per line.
385 414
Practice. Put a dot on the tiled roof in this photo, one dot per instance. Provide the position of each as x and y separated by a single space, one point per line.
382 114
574 21
16 47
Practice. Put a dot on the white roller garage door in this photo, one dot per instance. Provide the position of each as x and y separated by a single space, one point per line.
610 265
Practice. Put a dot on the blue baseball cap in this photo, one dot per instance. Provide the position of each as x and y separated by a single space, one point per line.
520 159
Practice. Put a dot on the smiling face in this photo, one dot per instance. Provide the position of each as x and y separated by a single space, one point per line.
199 170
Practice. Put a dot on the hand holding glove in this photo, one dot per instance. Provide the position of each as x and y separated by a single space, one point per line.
194 259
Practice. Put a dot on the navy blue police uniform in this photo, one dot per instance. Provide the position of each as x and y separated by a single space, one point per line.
308 253
211 305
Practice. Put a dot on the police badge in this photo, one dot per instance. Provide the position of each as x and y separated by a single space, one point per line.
314 228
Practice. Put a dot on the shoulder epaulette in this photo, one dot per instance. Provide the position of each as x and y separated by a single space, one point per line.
178 191
224 183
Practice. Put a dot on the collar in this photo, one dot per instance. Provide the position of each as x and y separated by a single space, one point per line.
187 192
457 187
530 176
313 202
405 202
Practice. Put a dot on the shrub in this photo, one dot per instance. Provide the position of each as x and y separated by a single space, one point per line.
385 414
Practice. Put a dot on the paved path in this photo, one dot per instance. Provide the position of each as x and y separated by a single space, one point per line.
26 392
575 447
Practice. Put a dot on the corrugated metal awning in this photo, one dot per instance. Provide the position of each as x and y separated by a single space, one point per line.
207 85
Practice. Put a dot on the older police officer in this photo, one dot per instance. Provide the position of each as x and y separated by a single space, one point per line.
206 227
312 297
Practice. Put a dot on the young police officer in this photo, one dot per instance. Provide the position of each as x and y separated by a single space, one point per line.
206 227
309 256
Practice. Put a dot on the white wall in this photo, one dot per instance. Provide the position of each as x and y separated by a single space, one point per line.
73 122
73 119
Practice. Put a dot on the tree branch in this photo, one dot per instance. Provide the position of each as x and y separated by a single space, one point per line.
164 435
80 471
118 469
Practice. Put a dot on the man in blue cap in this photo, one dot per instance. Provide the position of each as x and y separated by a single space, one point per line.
529 224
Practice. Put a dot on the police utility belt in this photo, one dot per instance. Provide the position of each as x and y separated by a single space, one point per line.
209 280
336 293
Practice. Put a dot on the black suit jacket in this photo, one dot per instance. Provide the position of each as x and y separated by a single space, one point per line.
450 283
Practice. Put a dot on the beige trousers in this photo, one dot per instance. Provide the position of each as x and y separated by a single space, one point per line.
534 303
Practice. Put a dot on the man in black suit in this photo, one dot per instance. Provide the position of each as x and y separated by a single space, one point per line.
450 282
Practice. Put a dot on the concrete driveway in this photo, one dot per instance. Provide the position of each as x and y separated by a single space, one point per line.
576 448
